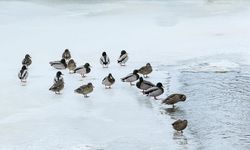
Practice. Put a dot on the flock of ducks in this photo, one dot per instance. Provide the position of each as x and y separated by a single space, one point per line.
148 88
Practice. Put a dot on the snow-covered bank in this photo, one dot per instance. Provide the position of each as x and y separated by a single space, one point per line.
31 117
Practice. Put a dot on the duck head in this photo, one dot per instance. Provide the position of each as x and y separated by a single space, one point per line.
90 84
159 84
63 61
123 52
27 56
58 74
183 97
104 54
87 65
135 71
24 67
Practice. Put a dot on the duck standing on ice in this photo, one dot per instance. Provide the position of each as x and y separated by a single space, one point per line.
143 84
82 70
131 77
104 60
59 64
155 91
58 83
85 89
71 65
145 70
174 98
66 54
180 125
108 81
23 74
123 58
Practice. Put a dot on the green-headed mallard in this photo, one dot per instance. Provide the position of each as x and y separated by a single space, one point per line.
123 58
155 91
82 70
104 60
131 77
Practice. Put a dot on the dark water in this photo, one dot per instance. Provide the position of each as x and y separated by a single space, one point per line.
217 107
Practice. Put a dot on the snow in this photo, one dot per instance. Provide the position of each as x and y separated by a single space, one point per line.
32 117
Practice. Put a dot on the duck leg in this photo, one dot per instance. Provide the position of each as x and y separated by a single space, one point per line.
83 76
156 98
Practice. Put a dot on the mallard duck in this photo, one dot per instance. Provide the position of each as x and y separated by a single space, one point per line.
108 81
23 74
27 60
58 76
155 91
174 98
59 64
85 89
82 70
143 84
66 54
104 60
71 65
145 70
57 86
180 125
131 77
123 58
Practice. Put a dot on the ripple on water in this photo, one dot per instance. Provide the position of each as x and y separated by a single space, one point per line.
218 107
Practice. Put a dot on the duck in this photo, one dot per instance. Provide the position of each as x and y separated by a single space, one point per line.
104 60
123 58
82 70
108 81
23 74
66 54
71 65
155 91
143 84
131 77
58 76
85 89
59 64
145 70
180 125
27 60
57 86
174 98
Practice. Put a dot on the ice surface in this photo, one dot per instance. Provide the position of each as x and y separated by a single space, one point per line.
161 32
